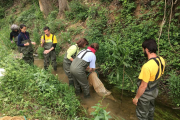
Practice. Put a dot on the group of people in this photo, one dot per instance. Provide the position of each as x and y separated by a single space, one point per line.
22 39
76 62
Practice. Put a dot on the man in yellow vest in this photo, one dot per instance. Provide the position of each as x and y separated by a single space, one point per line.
49 41
149 76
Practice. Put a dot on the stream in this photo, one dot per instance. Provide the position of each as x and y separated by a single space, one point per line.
122 108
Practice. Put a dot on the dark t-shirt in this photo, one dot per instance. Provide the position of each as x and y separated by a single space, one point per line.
13 34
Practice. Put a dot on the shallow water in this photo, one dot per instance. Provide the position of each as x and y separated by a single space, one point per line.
120 109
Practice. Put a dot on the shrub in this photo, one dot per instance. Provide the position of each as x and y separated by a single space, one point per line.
56 26
27 15
2 13
40 51
78 11
58 49
75 30
52 16
65 37
35 92
174 86
100 113
36 36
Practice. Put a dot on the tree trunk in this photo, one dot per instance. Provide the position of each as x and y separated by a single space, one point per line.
63 5
45 7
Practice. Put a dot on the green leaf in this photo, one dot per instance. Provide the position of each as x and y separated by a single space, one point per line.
113 42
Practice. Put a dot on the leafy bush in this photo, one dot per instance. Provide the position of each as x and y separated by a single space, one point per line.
5 4
40 51
5 34
52 16
78 11
174 86
93 11
32 13
65 37
36 36
96 25
58 48
59 59
2 13
100 113
32 91
27 15
75 30
121 42
56 26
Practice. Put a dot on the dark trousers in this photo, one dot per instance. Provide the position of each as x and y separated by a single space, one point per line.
28 57
66 67
51 55
145 110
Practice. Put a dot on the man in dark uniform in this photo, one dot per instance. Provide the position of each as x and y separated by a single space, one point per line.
149 76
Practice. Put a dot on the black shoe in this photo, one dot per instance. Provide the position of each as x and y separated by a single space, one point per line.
55 69
71 83
77 93
87 96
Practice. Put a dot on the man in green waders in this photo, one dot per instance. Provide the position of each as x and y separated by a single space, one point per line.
85 60
49 41
149 76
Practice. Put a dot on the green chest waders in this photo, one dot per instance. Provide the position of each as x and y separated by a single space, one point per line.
51 55
77 69
66 67
145 105
27 52
151 91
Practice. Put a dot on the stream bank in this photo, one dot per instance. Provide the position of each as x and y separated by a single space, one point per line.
122 108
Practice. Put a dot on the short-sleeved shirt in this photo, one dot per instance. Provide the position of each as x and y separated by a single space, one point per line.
72 50
88 57
150 69
49 38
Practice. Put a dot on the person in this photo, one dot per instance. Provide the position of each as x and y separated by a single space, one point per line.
85 60
25 45
14 33
70 55
149 76
49 41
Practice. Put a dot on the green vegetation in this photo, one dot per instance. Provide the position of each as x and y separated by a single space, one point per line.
119 31
174 83
100 113
28 89
77 11
35 93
